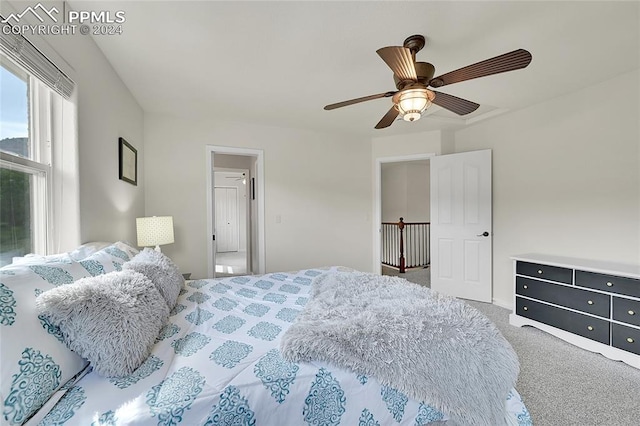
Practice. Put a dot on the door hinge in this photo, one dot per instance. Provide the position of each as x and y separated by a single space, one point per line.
214 237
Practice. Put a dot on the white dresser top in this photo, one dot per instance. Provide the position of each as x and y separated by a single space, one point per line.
599 266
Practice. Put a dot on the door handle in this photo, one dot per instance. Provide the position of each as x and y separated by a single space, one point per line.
484 234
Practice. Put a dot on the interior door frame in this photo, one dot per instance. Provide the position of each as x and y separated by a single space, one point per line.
377 201
210 151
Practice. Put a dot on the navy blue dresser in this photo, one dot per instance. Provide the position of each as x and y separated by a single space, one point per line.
594 305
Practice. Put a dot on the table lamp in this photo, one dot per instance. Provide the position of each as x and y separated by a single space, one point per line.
154 231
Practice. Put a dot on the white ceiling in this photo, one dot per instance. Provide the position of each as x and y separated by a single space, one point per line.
279 63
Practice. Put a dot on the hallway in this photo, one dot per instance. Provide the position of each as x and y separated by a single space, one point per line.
231 263
420 276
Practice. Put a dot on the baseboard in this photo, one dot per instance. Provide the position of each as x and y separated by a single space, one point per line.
503 304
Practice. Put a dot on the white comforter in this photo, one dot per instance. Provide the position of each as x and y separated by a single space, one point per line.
217 363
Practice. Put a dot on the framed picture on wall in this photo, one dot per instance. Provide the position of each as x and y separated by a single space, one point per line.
128 169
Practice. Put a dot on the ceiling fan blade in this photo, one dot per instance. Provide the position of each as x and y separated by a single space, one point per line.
454 104
358 100
400 60
388 118
508 62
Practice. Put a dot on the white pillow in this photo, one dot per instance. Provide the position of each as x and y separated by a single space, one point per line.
161 271
108 259
34 259
87 249
112 320
80 253
35 361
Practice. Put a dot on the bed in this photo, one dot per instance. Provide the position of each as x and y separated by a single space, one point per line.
216 360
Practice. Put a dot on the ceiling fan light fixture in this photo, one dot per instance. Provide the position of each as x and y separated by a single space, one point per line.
412 103
412 79
412 116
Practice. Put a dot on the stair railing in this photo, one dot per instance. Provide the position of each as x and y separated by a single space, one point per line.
406 245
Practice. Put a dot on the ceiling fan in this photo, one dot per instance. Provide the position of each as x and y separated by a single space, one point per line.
412 79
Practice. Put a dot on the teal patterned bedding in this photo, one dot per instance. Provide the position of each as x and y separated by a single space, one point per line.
217 363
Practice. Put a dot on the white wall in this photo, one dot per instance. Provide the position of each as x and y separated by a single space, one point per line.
396 148
106 110
394 191
406 191
565 177
317 185
418 192
403 145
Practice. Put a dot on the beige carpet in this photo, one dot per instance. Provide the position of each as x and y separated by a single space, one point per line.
561 384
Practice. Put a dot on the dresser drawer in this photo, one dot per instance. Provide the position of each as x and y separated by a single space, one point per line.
625 338
619 285
571 297
573 322
552 273
625 310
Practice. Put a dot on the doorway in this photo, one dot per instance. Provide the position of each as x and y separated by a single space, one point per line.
232 221
235 211
461 224
402 190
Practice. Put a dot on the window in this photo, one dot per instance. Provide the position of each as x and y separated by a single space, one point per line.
39 186
25 169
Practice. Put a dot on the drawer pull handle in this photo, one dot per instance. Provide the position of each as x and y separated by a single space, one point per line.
525 287
590 302
525 309
540 271
631 312
609 284
629 339
590 328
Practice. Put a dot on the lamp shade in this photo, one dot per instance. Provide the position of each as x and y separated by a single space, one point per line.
154 231
413 102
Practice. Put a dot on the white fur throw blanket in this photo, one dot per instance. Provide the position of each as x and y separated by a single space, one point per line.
428 345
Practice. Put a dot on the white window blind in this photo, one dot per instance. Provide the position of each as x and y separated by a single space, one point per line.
27 55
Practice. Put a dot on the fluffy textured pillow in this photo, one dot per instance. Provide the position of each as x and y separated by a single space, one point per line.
35 361
112 320
161 271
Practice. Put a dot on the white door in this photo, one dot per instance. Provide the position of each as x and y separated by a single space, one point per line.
461 231
227 221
